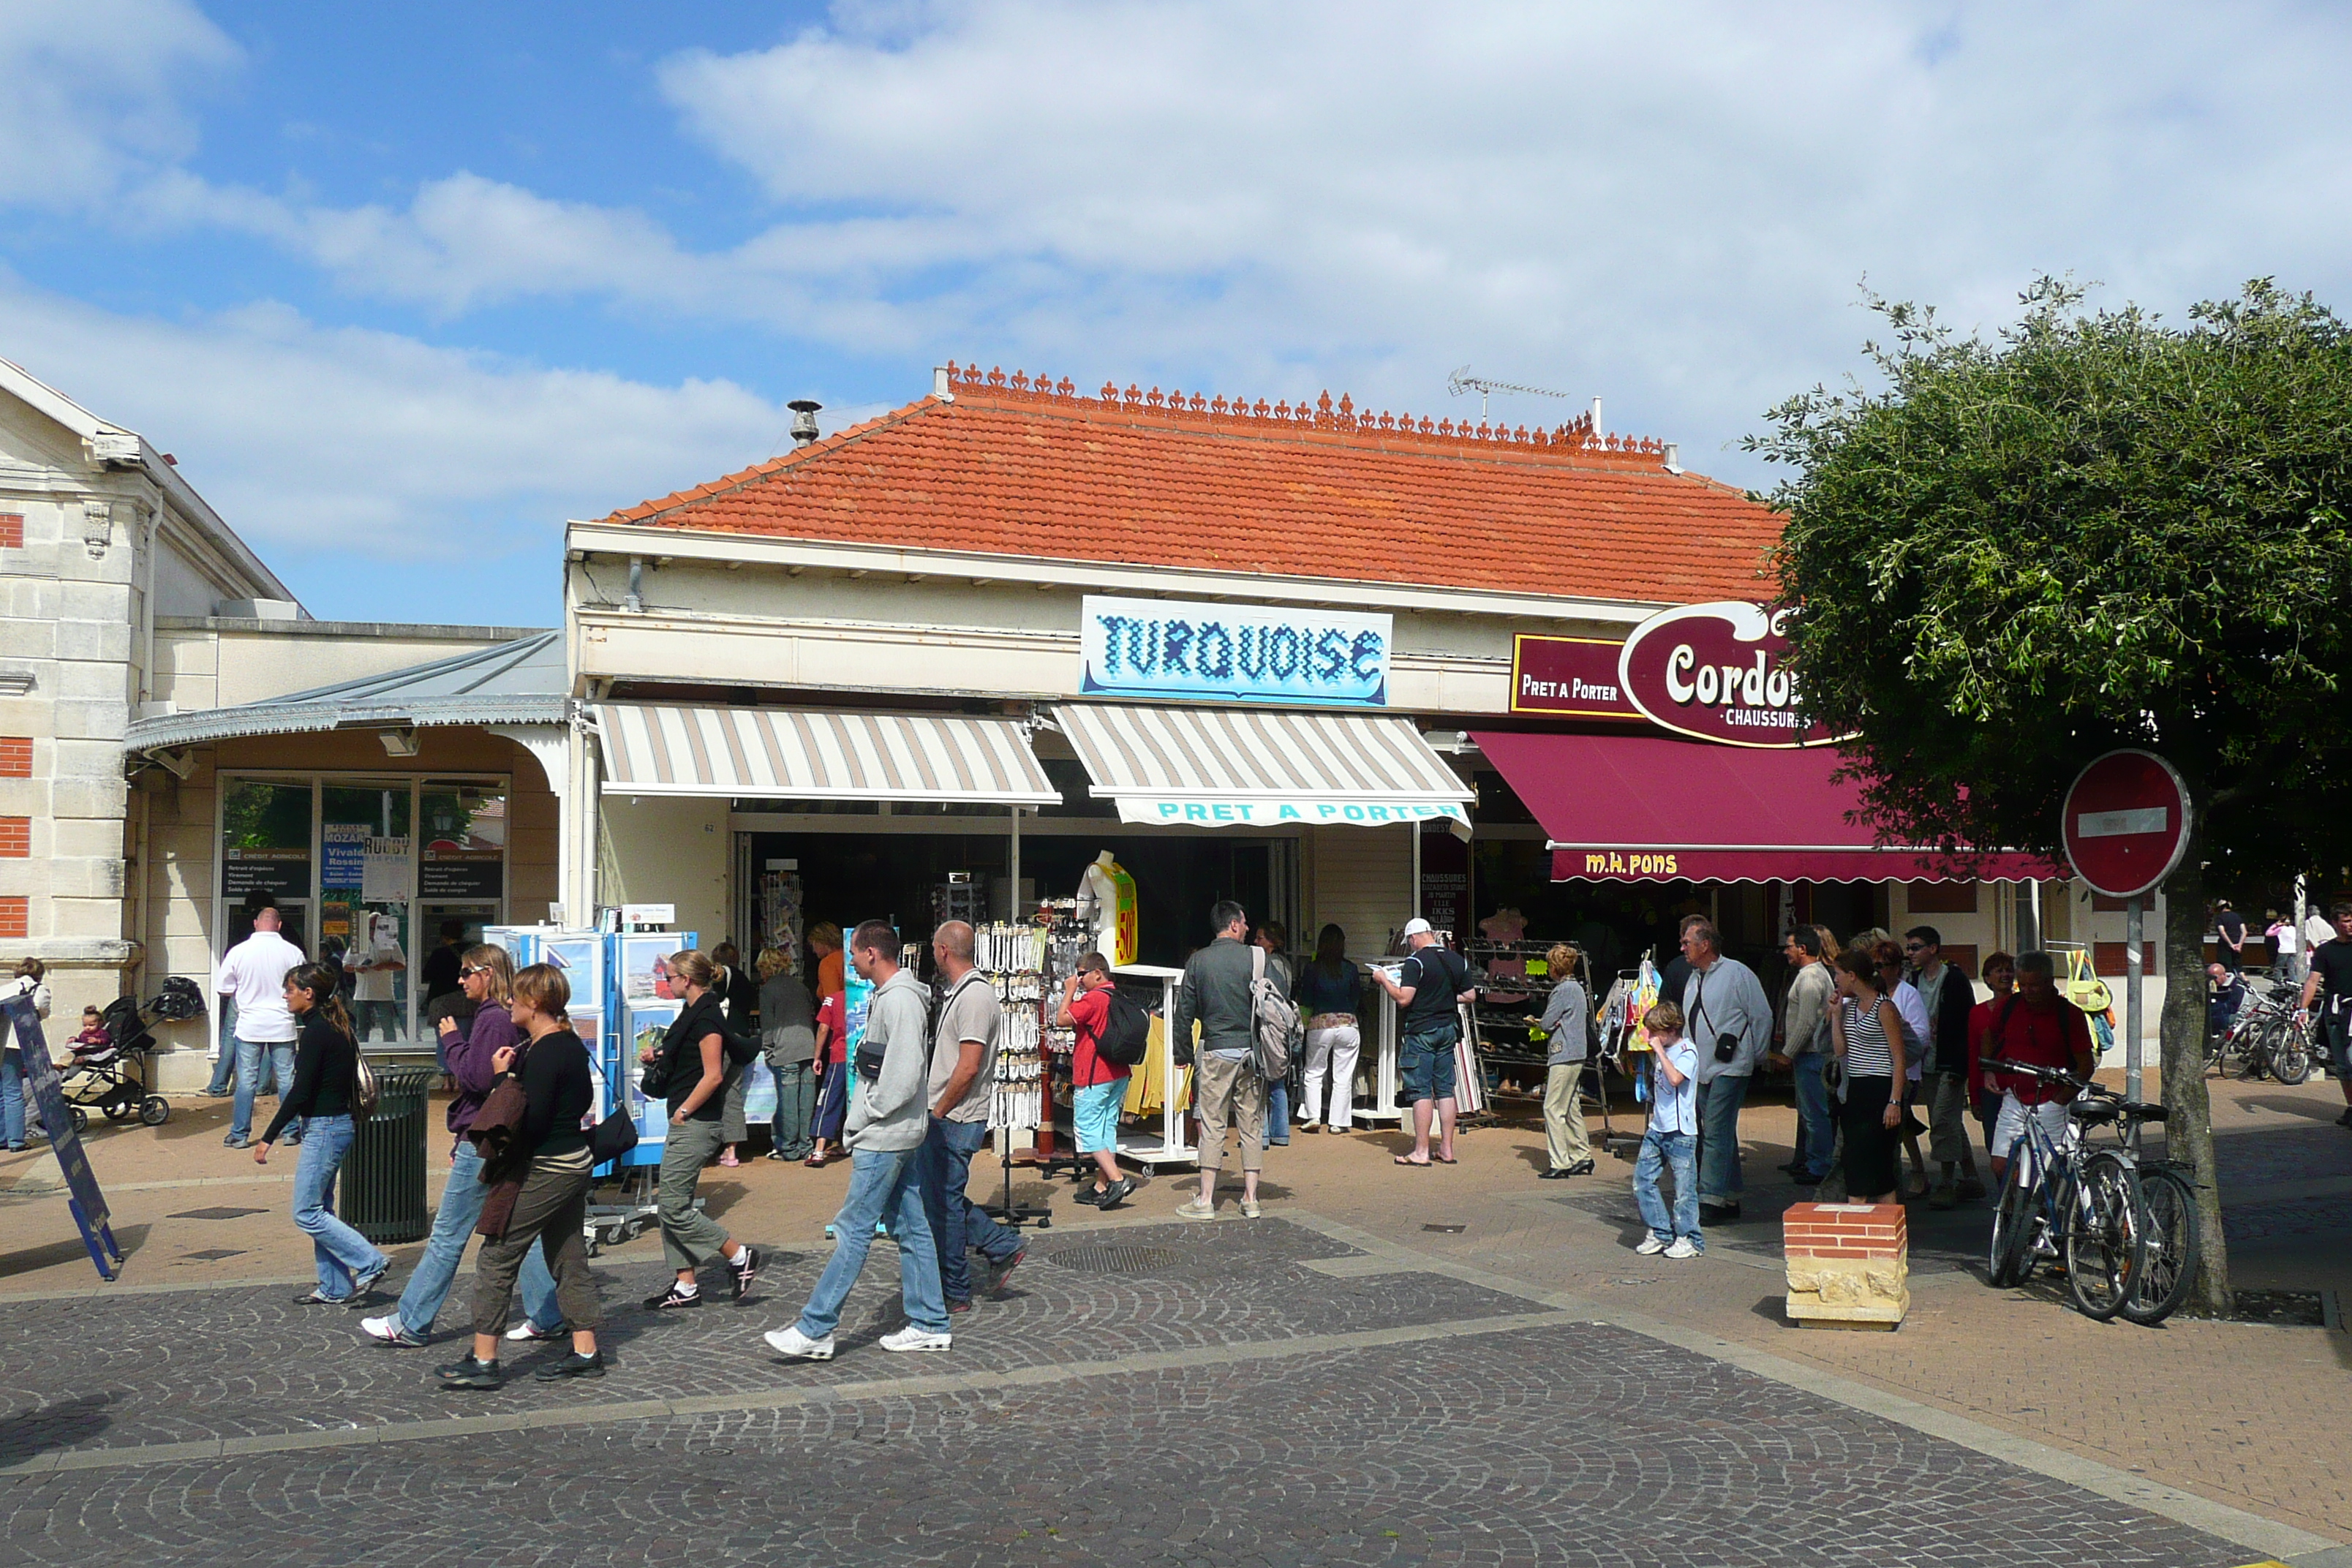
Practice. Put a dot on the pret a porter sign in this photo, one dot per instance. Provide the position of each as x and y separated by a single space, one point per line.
1161 647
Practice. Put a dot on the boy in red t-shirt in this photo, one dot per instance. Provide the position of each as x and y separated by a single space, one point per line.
832 1076
1099 1087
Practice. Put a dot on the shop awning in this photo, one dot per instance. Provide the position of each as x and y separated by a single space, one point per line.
1642 808
790 755
1230 768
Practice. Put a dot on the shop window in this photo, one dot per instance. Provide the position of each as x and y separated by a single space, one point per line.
265 841
1940 897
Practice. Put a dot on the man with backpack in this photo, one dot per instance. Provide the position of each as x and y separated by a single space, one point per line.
1112 1031
1218 991
1427 988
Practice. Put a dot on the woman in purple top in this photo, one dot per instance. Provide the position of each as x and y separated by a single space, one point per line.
488 976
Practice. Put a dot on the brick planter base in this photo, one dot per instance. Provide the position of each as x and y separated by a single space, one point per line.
1849 1265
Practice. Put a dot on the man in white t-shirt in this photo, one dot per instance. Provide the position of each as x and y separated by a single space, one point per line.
371 970
254 973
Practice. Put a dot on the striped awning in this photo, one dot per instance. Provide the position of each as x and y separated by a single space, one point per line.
752 752
1232 768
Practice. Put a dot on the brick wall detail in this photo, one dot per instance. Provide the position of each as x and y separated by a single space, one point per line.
16 757
15 918
16 838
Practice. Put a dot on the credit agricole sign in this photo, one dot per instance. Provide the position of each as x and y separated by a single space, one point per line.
1163 647
1716 671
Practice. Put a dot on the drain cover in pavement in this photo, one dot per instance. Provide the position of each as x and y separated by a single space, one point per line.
1446 1229
218 1214
1114 1260
213 1255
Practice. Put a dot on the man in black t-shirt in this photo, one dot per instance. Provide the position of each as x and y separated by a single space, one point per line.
2331 979
2231 927
1427 987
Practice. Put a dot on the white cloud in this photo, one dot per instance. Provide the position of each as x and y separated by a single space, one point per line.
338 439
92 94
1669 205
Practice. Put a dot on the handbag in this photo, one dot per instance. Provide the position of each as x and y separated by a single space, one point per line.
617 1134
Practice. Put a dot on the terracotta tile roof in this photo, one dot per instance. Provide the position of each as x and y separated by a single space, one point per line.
1023 467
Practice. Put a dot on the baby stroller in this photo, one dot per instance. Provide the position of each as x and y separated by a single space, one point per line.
112 1077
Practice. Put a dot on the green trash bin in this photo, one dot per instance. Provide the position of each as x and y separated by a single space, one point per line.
383 1186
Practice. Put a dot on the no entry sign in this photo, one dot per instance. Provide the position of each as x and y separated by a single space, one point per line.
2127 822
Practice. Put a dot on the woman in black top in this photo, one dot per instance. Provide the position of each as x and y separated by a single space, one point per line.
326 1082
551 1205
690 1071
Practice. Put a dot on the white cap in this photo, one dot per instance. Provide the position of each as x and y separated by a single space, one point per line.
1417 927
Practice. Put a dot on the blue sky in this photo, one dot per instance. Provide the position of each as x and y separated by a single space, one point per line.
403 286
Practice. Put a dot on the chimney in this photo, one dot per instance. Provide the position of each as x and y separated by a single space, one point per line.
1597 431
803 419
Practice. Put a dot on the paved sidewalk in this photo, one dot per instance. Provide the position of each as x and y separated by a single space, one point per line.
2241 1416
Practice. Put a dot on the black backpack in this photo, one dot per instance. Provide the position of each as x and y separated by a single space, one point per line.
1126 1031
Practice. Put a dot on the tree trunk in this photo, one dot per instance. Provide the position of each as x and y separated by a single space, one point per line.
2188 1119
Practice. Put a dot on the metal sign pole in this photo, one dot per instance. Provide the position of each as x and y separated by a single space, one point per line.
2133 964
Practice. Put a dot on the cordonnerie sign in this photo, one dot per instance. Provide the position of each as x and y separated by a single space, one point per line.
1160 647
1716 671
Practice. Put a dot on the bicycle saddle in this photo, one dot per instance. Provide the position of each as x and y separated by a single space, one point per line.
2094 1110
2144 1112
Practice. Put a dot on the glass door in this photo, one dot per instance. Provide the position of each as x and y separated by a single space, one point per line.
367 879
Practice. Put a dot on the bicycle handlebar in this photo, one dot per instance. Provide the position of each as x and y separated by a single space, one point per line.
2051 1075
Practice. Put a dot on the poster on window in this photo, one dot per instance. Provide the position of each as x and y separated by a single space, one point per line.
384 871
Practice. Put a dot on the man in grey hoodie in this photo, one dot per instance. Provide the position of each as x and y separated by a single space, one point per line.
885 1134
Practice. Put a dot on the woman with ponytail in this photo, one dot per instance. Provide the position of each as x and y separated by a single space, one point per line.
326 1088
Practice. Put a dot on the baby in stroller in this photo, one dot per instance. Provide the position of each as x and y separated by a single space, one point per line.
109 1064
94 1045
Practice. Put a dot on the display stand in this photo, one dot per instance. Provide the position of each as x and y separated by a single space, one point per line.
1470 1087
1170 1145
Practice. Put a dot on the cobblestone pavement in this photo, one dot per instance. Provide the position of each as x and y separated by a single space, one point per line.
1233 1404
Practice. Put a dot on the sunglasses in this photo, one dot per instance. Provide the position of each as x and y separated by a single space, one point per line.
476 969
1915 947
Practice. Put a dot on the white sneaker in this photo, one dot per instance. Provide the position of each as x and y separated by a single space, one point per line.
1651 1246
911 1338
1682 1249
791 1342
1250 1209
526 1329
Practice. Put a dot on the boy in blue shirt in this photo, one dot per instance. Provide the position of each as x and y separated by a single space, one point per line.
1671 1139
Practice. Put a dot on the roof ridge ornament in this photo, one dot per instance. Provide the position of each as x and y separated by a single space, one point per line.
1576 439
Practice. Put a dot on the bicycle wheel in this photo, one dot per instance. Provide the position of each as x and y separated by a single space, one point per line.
2013 1225
2291 1054
2104 1249
2170 1226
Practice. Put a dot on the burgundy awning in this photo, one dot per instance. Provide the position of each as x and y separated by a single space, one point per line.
1644 808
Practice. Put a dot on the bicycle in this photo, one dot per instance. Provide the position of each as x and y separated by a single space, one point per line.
2064 1201
2271 1035
2163 1190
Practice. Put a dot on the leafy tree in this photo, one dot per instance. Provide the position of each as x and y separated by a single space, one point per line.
2096 529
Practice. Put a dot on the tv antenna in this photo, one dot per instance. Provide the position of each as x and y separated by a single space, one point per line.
1462 382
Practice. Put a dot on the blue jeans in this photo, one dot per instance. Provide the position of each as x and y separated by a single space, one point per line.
225 1068
12 1097
251 1061
453 1227
796 1105
1718 1139
881 1182
367 1017
343 1252
1277 1111
957 1225
1677 1152
1816 1133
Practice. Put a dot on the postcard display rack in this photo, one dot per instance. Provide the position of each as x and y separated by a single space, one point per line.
622 1000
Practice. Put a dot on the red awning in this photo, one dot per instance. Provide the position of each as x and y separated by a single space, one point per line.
1644 808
